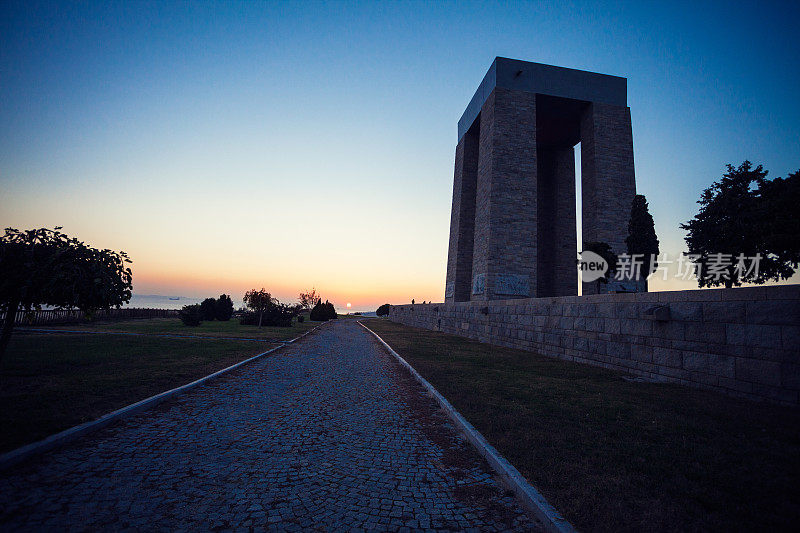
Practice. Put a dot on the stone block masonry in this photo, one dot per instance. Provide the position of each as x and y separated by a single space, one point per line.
512 223
743 341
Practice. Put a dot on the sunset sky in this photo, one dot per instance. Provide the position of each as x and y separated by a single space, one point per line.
229 145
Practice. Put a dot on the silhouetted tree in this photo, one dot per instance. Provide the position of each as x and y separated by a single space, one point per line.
208 309
331 311
779 215
258 302
383 310
46 267
191 315
276 314
309 299
323 311
744 215
317 313
223 310
642 239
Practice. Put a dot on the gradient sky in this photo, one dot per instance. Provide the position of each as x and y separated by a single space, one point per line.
230 145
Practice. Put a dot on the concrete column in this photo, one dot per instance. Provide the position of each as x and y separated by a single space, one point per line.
607 177
504 257
462 219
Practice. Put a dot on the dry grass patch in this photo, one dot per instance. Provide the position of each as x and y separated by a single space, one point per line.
173 326
49 383
615 455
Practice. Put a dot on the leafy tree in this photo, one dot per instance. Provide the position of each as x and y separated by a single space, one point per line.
46 267
642 239
317 313
323 311
383 310
277 314
779 213
745 215
223 310
208 309
258 302
309 299
331 311
191 315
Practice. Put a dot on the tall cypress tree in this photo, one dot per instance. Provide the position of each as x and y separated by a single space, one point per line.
642 237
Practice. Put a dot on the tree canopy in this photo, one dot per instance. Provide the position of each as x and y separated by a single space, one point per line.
46 267
323 311
745 221
259 302
224 308
309 299
208 309
642 239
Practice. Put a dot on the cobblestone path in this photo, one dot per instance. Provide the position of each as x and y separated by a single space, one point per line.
328 434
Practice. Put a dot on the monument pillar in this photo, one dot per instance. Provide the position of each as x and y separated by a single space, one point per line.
607 177
462 219
504 256
512 225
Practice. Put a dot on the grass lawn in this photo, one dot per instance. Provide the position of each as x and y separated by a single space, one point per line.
615 455
50 382
174 326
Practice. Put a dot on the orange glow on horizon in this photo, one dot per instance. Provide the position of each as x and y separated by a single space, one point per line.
359 291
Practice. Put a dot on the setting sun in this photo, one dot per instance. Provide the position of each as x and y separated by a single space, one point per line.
349 305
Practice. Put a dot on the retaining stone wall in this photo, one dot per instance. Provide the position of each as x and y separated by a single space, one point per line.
744 341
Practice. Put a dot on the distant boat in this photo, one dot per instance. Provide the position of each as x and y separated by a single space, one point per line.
177 298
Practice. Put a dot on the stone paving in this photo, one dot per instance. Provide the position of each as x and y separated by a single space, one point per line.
326 434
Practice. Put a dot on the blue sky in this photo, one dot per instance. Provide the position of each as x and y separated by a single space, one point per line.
228 145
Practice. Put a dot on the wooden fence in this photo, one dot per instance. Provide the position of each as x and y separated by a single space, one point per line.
67 316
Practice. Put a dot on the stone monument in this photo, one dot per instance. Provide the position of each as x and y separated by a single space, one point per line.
512 227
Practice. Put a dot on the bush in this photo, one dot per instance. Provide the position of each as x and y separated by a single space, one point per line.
277 315
191 315
383 310
223 310
323 311
208 309
301 318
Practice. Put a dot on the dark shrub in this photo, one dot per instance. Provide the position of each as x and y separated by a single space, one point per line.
383 310
323 311
191 315
301 318
316 313
277 315
208 309
223 310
